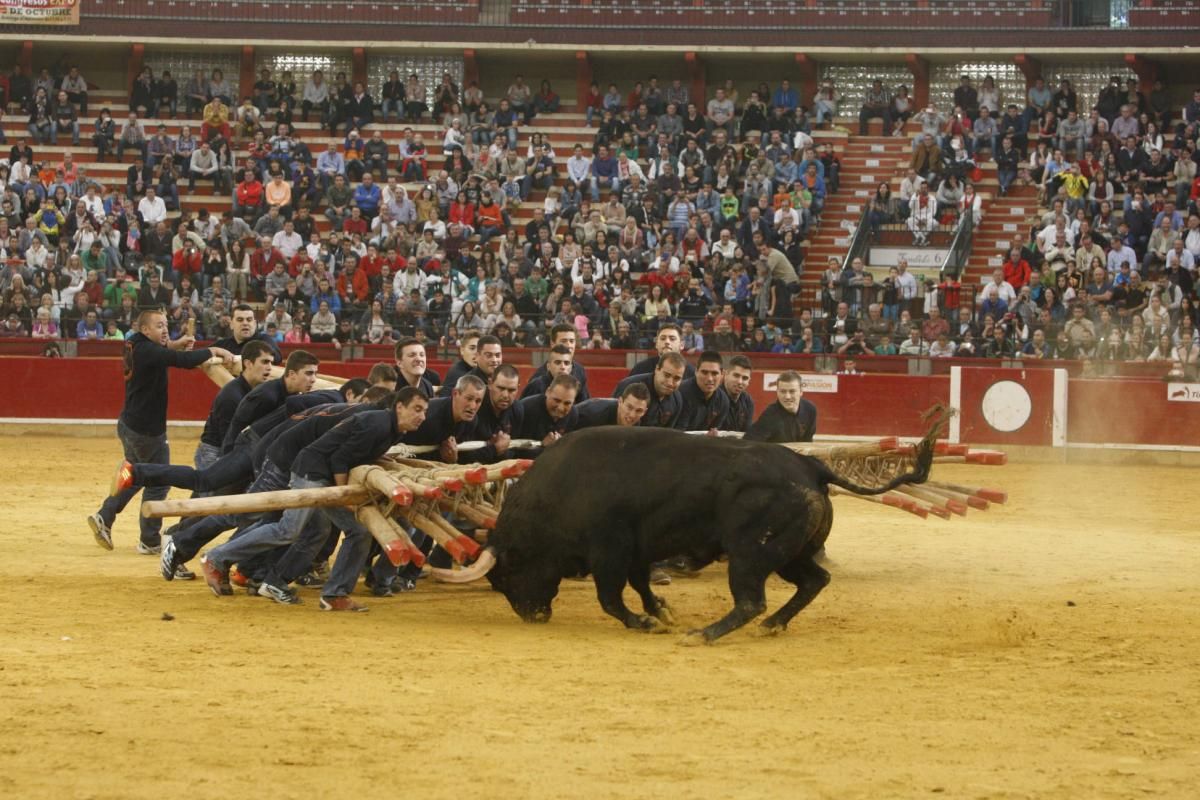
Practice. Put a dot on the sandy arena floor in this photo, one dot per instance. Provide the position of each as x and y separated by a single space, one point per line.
1049 648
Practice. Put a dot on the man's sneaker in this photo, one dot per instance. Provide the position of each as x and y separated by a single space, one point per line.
659 577
284 595
122 479
310 580
148 549
182 573
321 571
217 580
340 604
100 530
166 562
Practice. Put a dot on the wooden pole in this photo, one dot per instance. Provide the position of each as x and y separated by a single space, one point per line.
382 481
394 540
257 502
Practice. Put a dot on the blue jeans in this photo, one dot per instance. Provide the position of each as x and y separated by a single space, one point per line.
139 448
189 540
294 525
311 534
206 455
55 127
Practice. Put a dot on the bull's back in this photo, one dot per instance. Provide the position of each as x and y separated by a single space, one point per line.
621 471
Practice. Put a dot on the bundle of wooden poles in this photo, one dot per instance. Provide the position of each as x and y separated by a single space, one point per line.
384 495
875 463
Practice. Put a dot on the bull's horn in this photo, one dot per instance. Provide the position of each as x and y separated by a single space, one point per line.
481 567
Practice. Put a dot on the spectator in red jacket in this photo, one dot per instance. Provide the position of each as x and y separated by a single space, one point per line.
188 260
262 262
1016 269
353 286
248 198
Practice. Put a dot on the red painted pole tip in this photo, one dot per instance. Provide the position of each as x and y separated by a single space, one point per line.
993 495
456 551
469 545
476 475
402 496
397 552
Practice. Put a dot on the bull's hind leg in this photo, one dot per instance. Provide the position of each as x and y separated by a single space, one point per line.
809 578
639 579
747 582
611 564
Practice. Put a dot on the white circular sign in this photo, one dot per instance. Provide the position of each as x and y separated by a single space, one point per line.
1006 406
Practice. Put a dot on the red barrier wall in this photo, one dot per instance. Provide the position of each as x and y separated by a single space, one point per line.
1128 411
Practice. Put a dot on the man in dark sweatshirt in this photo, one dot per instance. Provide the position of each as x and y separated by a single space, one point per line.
142 426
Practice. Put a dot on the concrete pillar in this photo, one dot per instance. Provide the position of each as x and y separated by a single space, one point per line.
919 67
583 79
698 79
246 73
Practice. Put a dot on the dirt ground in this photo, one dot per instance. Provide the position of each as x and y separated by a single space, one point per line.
1048 648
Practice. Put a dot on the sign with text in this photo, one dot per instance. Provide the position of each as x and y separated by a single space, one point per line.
1183 392
39 12
929 257
817 383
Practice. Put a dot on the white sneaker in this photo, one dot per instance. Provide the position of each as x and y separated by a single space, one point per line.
148 550
101 531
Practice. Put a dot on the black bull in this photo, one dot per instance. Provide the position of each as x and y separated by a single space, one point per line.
611 501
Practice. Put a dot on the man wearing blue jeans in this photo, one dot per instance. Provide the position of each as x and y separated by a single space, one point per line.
358 440
142 426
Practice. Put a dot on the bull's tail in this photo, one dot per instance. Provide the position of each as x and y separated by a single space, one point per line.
937 417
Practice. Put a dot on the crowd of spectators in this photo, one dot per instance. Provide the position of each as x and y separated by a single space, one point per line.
686 210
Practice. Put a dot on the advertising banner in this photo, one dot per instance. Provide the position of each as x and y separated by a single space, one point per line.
39 12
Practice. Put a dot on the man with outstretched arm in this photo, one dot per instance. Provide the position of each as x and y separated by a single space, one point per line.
142 426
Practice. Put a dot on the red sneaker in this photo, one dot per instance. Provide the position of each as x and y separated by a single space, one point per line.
217 580
122 479
237 578
340 604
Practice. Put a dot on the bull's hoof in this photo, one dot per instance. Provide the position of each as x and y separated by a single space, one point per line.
664 614
694 639
769 630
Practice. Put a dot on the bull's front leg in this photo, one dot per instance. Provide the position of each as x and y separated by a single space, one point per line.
611 563
747 582
655 606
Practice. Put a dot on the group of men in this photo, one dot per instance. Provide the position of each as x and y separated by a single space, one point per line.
269 433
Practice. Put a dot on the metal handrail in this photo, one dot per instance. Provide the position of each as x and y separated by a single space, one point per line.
861 240
960 245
